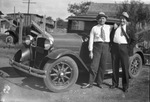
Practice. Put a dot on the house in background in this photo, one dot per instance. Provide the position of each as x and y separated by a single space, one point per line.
110 9
27 17
11 21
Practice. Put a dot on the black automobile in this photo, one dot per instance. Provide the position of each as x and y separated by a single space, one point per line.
58 58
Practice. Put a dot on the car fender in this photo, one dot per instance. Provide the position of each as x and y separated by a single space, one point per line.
140 52
56 54
136 50
22 54
13 34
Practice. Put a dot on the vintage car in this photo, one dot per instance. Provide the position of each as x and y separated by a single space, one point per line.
58 58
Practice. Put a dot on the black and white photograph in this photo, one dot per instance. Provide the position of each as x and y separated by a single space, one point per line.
74 50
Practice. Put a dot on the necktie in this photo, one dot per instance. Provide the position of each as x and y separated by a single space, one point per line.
102 34
123 33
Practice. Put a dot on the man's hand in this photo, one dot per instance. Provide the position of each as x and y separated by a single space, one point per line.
91 54
115 26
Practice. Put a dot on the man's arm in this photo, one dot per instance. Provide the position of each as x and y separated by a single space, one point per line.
91 41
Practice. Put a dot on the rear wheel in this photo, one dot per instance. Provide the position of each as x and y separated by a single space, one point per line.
135 66
61 74
10 39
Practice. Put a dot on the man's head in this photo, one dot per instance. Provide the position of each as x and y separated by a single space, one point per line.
124 18
101 18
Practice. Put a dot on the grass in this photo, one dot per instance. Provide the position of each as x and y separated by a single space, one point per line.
7 50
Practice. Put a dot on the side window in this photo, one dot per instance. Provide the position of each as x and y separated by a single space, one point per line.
77 25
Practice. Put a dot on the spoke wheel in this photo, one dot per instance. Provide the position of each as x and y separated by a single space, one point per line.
135 65
61 74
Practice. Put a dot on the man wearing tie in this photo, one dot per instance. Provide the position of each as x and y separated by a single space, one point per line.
121 43
98 47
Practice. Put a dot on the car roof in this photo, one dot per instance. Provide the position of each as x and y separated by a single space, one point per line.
86 17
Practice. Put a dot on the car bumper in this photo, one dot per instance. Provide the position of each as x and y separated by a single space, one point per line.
27 69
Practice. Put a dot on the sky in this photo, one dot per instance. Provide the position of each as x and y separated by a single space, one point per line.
53 8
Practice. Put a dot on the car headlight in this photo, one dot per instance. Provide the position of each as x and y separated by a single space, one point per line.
28 39
48 44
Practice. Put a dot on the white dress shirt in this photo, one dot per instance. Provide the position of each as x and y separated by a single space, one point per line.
117 36
95 35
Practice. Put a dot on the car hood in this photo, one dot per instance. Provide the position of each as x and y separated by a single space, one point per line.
70 41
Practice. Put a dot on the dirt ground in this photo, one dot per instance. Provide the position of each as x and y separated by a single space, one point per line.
22 89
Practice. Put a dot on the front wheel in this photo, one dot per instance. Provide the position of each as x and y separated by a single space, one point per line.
61 74
135 65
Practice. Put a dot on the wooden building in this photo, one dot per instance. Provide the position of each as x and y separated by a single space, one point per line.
27 17
110 9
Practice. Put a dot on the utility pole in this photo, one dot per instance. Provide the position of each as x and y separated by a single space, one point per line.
14 13
29 2
21 17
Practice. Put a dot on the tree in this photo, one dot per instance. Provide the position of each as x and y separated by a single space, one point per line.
79 8
49 18
61 23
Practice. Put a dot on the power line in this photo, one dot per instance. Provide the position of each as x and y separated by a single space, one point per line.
29 2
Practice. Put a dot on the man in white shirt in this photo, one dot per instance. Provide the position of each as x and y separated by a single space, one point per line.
122 43
98 47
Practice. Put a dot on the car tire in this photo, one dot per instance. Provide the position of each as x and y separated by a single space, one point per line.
61 74
10 39
135 66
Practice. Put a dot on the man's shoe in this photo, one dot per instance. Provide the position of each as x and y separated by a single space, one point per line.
125 90
99 85
87 86
113 86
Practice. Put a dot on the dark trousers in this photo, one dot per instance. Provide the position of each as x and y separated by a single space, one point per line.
120 55
98 64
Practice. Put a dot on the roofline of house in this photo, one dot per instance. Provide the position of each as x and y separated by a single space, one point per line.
90 17
25 14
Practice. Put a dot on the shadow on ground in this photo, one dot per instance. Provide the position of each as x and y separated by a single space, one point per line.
35 83
84 77
29 82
